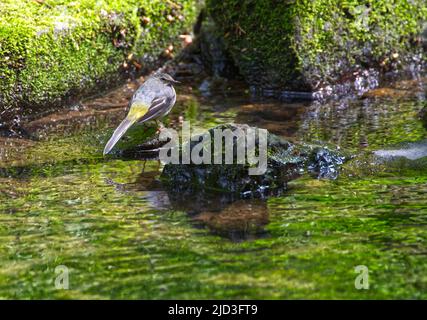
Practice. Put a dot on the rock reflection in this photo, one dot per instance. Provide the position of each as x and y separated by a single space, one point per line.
241 220
277 118
222 214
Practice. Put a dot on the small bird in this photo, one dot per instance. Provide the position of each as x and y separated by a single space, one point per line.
153 99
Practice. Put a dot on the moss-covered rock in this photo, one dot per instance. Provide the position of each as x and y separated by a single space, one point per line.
303 45
285 161
55 50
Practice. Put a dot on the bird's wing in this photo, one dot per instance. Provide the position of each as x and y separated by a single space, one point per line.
158 106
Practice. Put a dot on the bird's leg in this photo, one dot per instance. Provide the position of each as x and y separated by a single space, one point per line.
143 167
160 126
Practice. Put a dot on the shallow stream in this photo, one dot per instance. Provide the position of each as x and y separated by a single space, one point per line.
121 236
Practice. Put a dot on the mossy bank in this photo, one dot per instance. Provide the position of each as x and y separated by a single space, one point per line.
305 45
56 50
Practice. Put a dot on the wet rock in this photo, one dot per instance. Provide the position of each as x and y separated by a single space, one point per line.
323 163
285 161
423 116
406 159
424 37
409 151
144 151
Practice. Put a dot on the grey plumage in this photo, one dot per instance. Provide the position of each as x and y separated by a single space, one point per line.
153 99
158 93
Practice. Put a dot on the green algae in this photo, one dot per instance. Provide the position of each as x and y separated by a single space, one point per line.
118 245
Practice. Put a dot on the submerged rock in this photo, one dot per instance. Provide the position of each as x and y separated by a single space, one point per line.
284 161
406 159
423 116
409 151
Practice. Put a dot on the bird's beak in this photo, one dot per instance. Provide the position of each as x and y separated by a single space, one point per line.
175 81
118 133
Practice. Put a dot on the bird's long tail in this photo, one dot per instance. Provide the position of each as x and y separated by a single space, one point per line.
118 133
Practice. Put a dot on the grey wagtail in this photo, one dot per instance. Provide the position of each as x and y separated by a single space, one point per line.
153 99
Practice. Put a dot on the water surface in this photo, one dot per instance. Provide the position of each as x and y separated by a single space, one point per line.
122 236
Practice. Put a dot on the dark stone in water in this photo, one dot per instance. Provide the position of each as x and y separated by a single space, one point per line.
324 163
147 150
423 116
285 161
